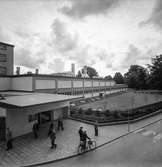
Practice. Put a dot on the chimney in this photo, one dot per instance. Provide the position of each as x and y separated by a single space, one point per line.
17 70
36 71
73 68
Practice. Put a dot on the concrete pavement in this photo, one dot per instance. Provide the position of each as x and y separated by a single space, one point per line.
27 150
137 149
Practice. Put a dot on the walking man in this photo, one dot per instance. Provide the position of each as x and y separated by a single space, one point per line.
60 124
50 129
96 129
81 133
35 130
53 138
9 139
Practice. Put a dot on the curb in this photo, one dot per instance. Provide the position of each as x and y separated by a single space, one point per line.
108 142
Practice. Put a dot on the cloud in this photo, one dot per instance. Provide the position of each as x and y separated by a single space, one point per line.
4 36
63 40
132 56
57 65
155 17
106 58
24 57
83 8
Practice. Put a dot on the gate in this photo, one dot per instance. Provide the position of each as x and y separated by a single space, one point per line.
2 128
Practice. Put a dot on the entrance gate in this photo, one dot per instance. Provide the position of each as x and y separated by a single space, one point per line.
2 128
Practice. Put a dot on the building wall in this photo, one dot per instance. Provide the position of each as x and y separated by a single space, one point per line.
2 112
64 83
87 83
22 83
5 83
6 64
77 83
57 113
102 83
17 119
95 83
48 84
108 83
45 84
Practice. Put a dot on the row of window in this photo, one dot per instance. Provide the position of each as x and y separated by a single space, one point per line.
3 70
3 57
3 47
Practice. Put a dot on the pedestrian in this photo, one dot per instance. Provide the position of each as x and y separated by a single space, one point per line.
81 133
9 139
35 130
50 129
60 124
53 138
96 129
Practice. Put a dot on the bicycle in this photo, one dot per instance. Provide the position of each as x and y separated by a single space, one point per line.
90 144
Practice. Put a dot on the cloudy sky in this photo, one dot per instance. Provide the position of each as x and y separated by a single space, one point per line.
108 35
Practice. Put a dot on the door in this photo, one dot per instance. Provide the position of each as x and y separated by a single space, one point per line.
2 128
45 116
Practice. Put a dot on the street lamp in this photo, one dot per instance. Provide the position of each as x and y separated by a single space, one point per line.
132 105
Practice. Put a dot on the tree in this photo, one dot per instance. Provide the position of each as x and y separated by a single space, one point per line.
136 77
108 77
118 78
156 73
91 72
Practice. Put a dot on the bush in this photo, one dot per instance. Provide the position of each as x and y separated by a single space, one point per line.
149 110
106 113
115 114
80 111
88 111
97 113
72 111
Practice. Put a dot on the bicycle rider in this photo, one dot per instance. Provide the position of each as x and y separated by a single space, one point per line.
84 139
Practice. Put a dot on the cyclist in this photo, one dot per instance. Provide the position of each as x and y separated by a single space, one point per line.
84 139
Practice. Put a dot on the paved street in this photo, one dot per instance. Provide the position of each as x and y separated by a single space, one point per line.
27 150
139 149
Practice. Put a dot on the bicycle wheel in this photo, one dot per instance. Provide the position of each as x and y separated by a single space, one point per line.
80 149
93 144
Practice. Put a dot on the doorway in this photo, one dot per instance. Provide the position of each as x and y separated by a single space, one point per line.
2 128
44 117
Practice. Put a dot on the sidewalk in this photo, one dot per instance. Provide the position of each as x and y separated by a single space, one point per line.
28 150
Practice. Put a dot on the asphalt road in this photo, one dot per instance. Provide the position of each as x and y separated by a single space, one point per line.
139 149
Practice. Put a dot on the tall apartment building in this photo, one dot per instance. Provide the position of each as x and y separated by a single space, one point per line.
6 59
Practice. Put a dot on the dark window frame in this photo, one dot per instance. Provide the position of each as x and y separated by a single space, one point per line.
5 57
3 47
32 117
5 70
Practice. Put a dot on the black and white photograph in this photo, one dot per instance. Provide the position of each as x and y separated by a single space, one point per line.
80 83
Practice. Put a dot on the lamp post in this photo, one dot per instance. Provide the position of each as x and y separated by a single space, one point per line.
128 122
83 84
132 104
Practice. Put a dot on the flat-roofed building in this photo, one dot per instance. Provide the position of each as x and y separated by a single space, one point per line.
6 59
19 111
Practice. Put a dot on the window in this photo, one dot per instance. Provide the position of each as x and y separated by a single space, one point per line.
3 57
3 47
3 71
32 117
